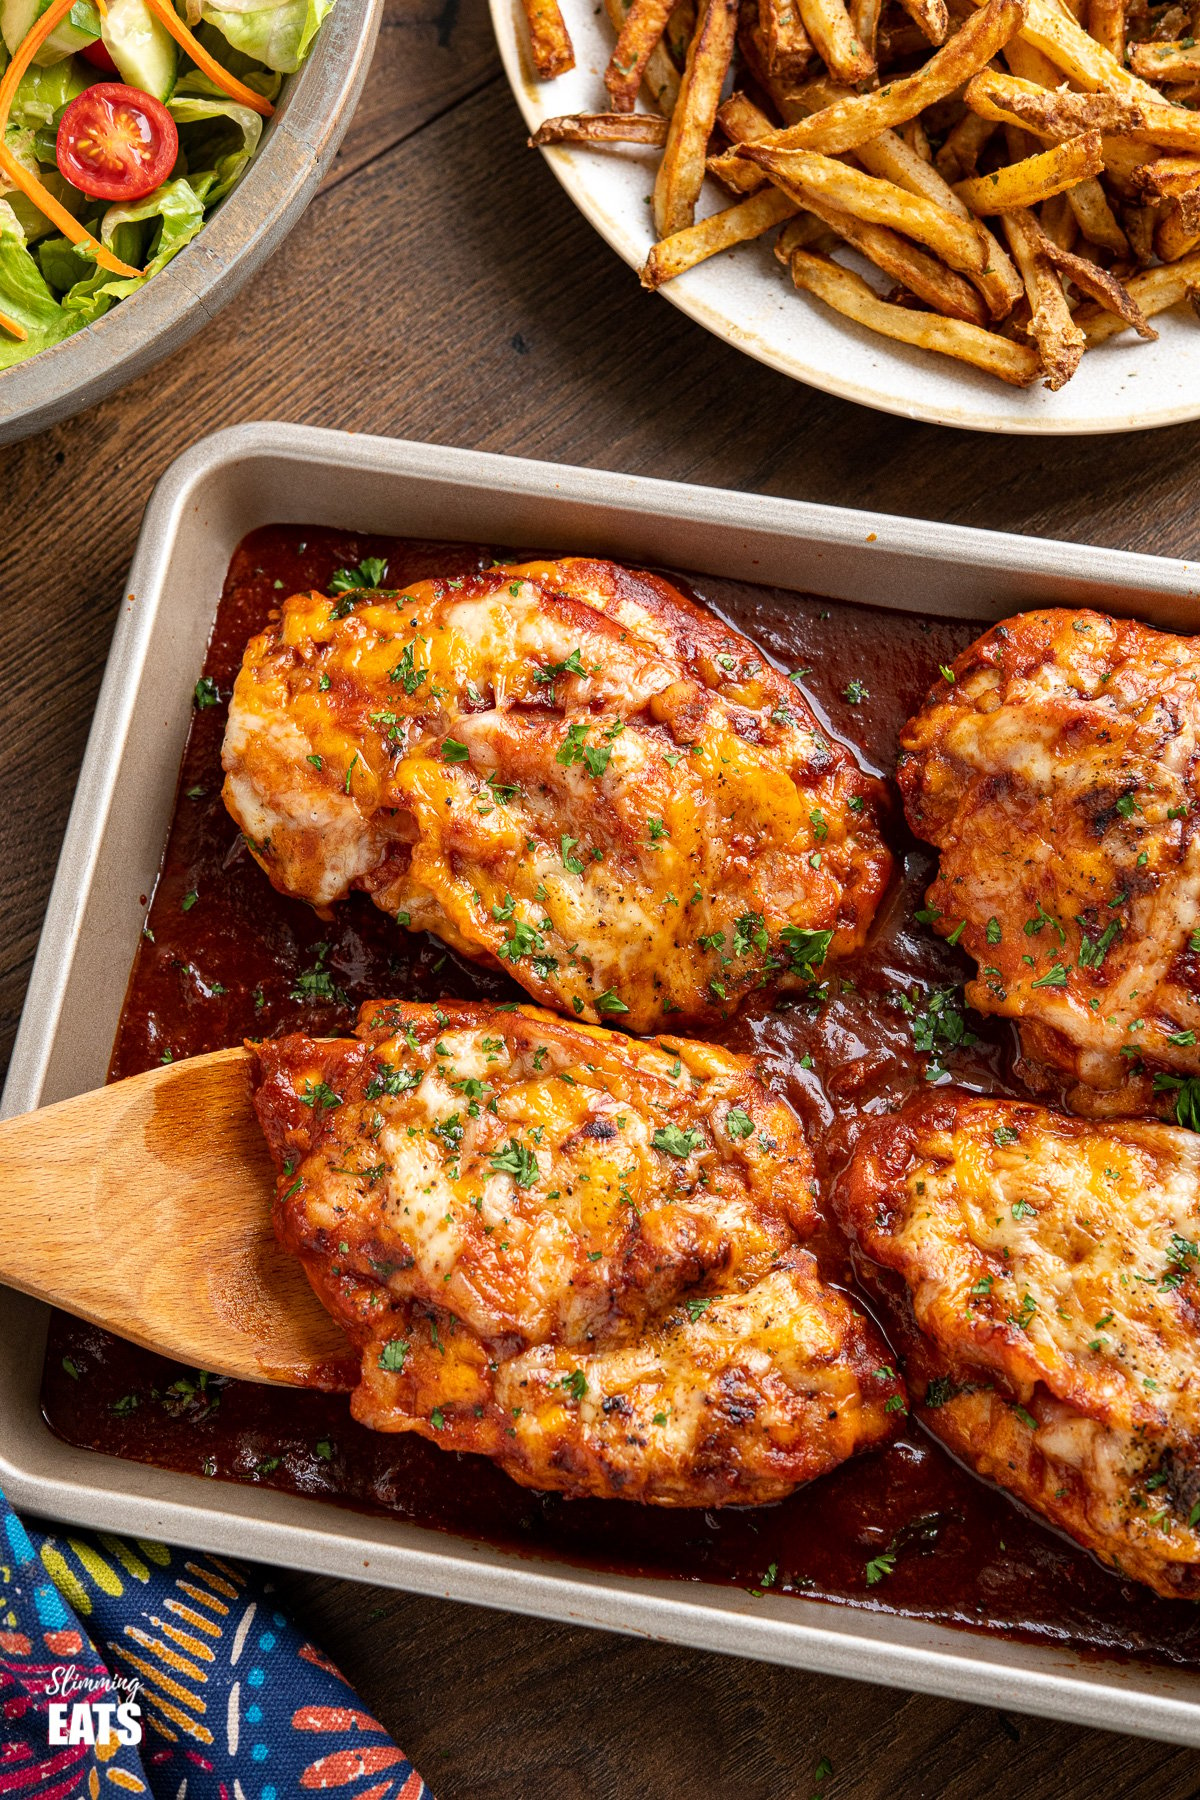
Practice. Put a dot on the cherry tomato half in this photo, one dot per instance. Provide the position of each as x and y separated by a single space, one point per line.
98 56
116 143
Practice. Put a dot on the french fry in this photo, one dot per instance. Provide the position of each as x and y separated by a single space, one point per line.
930 17
1035 178
1168 177
1054 31
1059 340
889 155
922 274
1095 217
849 294
789 49
601 128
1058 221
1100 285
1153 290
1106 23
549 39
639 36
1053 113
804 232
678 35
661 79
681 172
828 25
720 231
1139 223
741 121
852 121
963 144
864 19
897 39
916 137
1176 234
807 176
1178 61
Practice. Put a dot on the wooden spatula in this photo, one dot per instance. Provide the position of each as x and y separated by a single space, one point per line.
146 1208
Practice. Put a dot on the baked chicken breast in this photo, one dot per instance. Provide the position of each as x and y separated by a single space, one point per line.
1057 775
566 769
1047 1299
572 1252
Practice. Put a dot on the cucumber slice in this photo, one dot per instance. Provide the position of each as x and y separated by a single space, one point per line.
80 28
143 50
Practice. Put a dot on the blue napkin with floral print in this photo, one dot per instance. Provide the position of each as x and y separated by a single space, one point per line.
130 1668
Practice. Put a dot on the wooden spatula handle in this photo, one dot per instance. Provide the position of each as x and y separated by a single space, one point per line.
145 1207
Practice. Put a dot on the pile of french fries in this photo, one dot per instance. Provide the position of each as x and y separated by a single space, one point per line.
1007 166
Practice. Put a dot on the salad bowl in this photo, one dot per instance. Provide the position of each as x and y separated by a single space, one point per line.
301 139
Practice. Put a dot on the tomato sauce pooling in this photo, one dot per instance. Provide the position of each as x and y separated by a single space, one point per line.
225 957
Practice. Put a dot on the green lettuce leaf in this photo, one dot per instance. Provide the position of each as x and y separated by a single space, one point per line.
22 144
278 36
42 93
217 136
25 297
146 235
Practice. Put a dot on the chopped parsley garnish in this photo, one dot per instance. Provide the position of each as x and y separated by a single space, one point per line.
319 1093
575 1384
388 1080
881 1565
454 752
1186 1089
674 1142
392 1356
517 1160
1092 951
205 692
610 1002
806 950
371 572
856 692
406 672
750 932
937 1027
316 985
738 1124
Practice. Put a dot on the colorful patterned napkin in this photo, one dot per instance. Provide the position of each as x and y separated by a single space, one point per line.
182 1666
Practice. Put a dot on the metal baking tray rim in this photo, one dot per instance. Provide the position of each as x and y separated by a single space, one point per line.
364 483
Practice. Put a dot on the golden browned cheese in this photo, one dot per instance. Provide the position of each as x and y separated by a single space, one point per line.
1047 1303
566 769
1057 775
572 1252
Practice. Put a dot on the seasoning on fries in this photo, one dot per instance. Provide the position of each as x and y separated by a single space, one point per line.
1021 185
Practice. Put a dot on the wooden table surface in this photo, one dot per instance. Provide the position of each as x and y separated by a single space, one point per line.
442 287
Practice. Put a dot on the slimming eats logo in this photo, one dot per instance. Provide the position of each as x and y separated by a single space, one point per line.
74 1718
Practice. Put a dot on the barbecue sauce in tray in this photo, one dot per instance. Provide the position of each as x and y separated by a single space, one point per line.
225 957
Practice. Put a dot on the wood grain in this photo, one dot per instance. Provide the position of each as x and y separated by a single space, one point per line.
146 1208
443 287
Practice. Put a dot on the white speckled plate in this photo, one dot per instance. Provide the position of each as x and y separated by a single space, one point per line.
745 297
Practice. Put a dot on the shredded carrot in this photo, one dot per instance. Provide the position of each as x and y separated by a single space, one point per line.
19 177
102 8
13 329
208 65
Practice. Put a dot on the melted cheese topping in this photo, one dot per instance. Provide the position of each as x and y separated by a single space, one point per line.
1053 1267
1057 774
525 1220
562 768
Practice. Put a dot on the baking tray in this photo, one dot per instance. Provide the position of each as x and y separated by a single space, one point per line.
300 141
260 474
